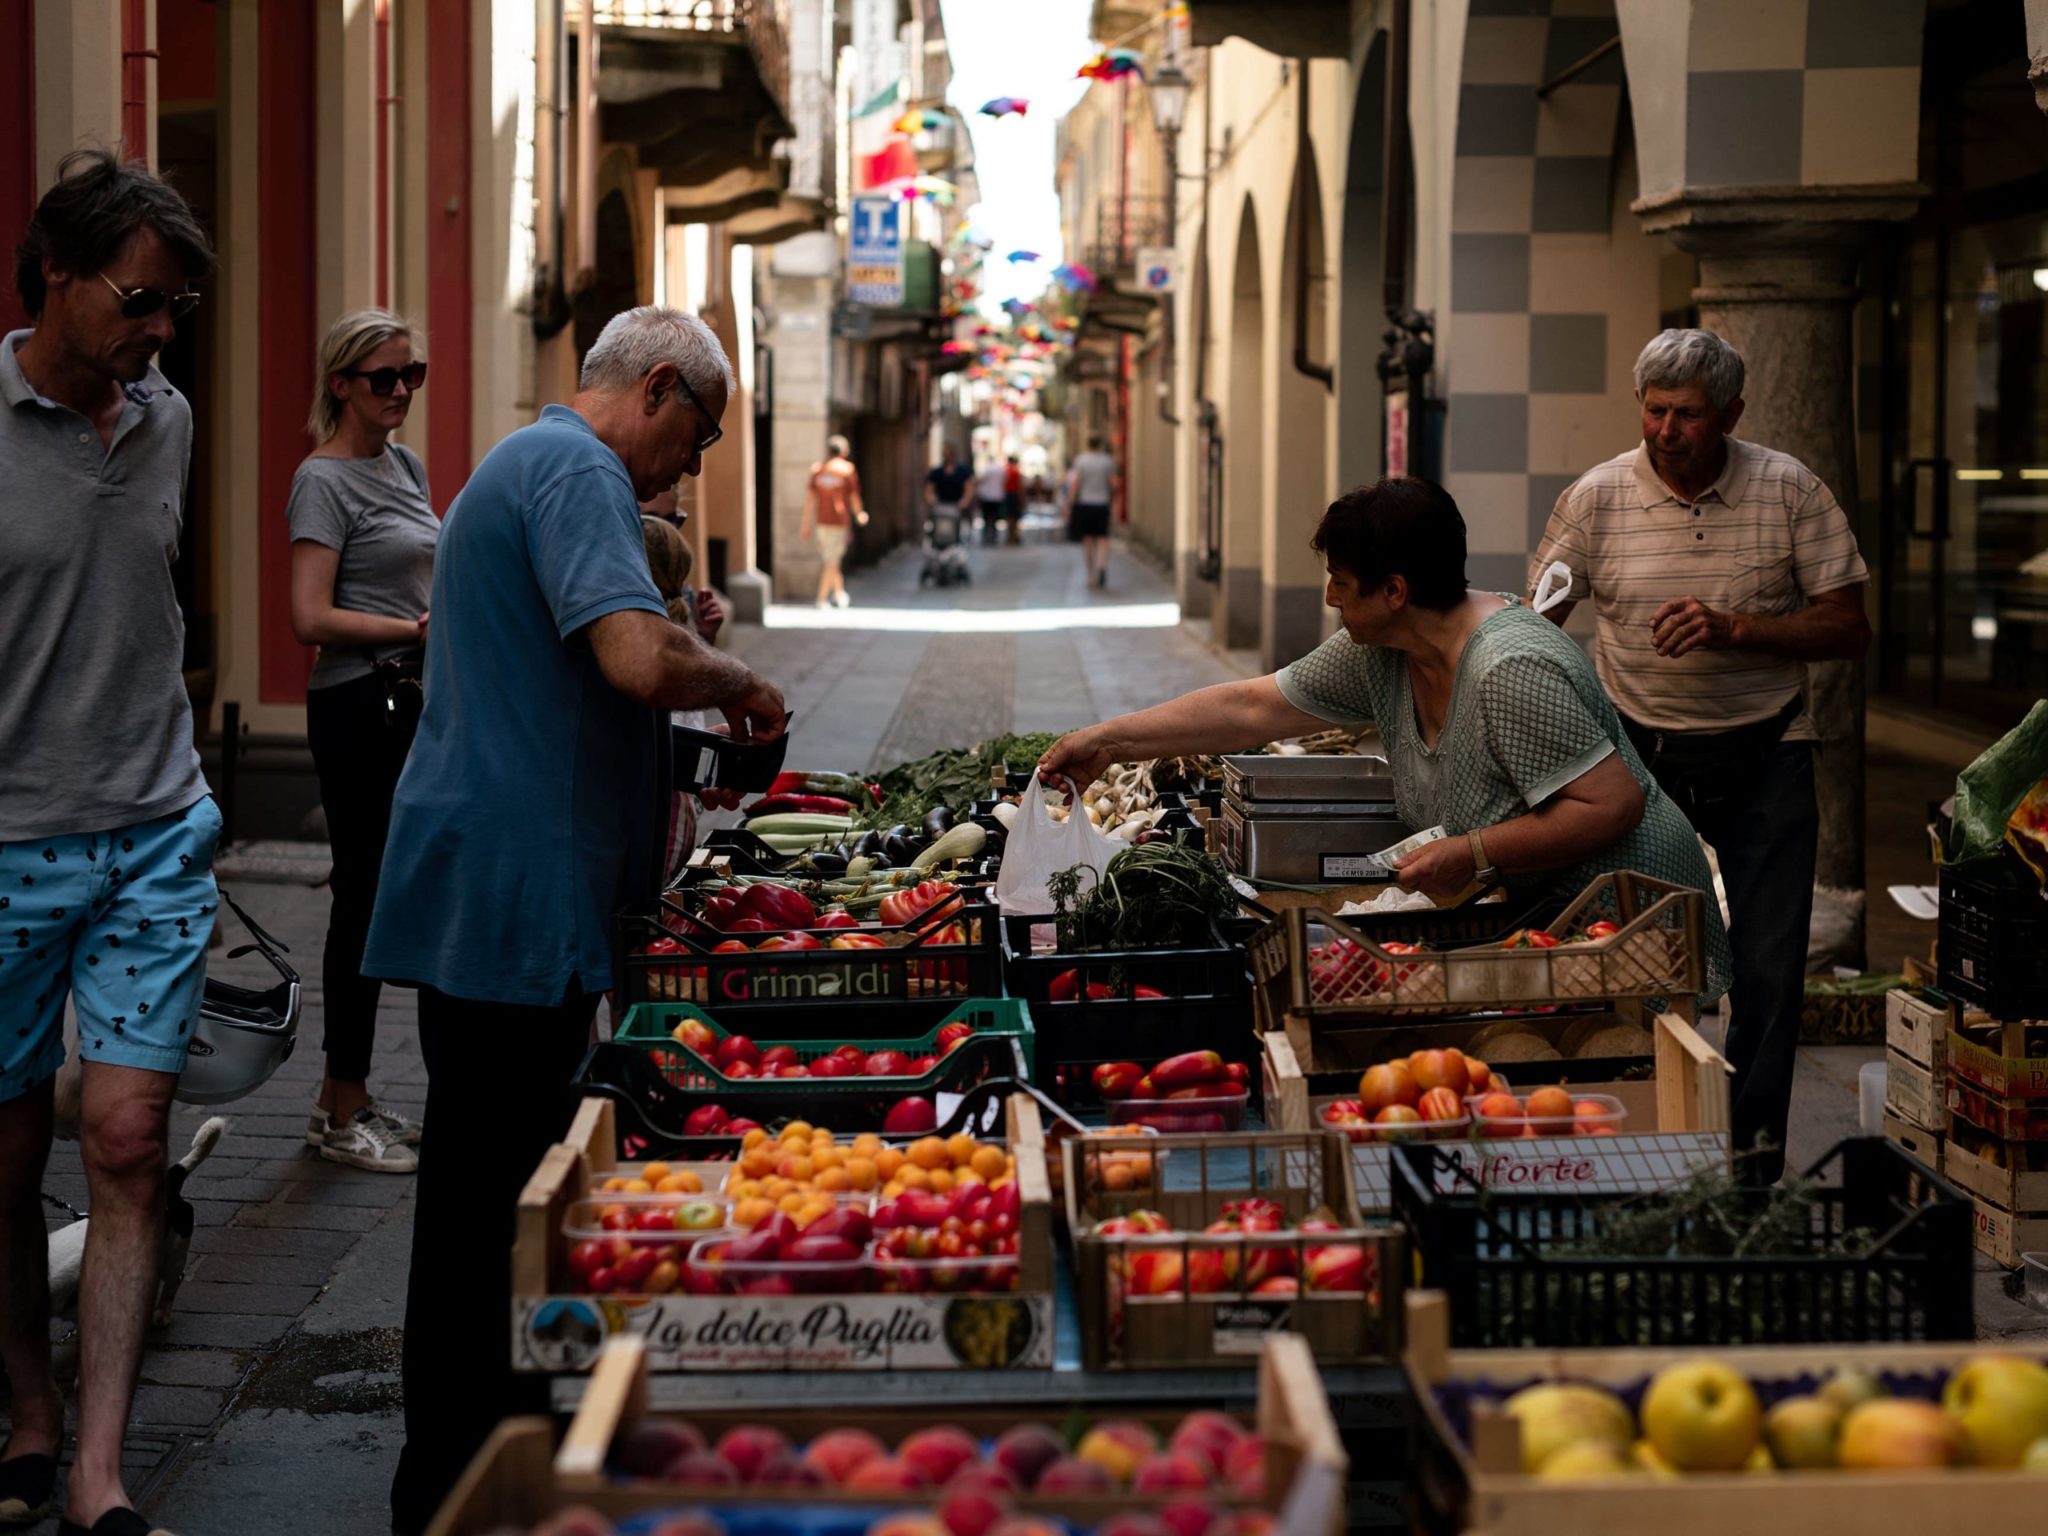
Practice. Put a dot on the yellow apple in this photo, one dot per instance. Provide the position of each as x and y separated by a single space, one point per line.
1647 1457
1587 1458
1702 1416
2036 1459
2002 1402
1896 1432
1558 1414
1849 1386
1802 1431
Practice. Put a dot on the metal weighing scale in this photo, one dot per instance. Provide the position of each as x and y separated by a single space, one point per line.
1308 820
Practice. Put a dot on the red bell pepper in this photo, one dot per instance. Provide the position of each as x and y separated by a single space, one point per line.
932 896
720 911
1148 994
836 918
788 783
857 941
783 941
750 925
782 906
1530 938
663 946
1065 987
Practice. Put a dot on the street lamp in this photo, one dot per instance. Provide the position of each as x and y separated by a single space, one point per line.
1169 86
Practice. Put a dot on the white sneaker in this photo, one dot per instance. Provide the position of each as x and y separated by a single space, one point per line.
403 1128
840 600
365 1142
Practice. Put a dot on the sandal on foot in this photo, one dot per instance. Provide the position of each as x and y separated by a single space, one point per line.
119 1521
28 1485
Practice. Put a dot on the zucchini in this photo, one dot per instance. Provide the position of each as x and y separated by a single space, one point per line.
832 828
962 842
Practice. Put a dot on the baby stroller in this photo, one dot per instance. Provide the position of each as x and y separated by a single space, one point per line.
945 556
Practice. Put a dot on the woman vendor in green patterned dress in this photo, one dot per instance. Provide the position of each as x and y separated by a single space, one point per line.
1492 720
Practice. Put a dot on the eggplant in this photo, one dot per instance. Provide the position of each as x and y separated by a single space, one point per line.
867 845
829 862
938 821
898 846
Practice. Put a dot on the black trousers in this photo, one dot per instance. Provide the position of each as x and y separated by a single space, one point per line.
498 1097
359 747
1755 806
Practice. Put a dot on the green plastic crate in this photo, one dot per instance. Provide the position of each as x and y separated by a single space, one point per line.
652 1025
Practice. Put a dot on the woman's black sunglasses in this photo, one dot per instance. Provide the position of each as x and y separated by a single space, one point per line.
385 380
141 303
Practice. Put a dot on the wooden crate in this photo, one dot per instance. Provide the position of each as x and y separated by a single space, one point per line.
2002 1236
1293 1419
1916 1026
1926 1145
1915 1094
2007 1118
1190 1323
1677 1123
558 1330
1479 1486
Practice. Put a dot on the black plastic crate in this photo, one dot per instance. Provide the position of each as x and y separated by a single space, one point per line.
915 966
1496 1254
1993 950
1205 1005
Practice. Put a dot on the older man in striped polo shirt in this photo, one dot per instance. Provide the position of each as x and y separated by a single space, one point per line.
1717 569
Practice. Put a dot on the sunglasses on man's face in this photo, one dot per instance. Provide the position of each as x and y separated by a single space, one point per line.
141 303
385 380
703 443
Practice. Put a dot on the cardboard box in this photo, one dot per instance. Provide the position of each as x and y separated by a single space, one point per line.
1995 1057
1914 1094
2009 1119
1678 1122
1923 1144
557 1330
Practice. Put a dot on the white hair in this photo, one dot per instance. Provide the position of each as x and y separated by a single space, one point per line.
1675 359
635 341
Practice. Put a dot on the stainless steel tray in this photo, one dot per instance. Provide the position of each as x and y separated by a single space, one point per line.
1307 850
1326 778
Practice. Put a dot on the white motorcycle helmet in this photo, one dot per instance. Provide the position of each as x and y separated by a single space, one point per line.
243 1035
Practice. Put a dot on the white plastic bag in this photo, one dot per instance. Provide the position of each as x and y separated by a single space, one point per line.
1039 848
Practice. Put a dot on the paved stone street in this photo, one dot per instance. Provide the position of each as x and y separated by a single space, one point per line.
270 1401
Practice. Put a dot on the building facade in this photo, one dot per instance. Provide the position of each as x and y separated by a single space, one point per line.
1851 191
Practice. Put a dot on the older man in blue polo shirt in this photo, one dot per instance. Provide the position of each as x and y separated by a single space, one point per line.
524 816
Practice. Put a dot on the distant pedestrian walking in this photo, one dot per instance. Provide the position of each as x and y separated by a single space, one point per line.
988 489
833 508
363 536
1090 491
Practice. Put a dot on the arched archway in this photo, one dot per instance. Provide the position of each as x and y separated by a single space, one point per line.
1290 597
1361 305
1201 540
1237 624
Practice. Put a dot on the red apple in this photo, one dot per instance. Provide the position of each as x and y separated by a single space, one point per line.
888 1064
698 1036
1335 1267
740 1125
1187 1517
1154 1271
980 1477
833 1066
785 1469
839 1453
706 1120
749 1447
737 1048
1279 1285
1118 1446
1025 1451
1207 1434
937 1453
1397 1122
885 1474
1246 1469
914 1116
1071 1476
702 1469
649 1449
971 1512
776 1057
958 1029
1132 1522
1170 1472
1440 1104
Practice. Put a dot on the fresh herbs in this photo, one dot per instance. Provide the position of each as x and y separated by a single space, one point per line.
1157 895
954 778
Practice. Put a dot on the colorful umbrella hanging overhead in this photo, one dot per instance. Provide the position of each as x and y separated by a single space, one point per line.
1004 106
1023 258
1075 278
1113 64
1017 307
918 120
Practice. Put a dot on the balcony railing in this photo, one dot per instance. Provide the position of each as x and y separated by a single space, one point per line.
1122 229
757 23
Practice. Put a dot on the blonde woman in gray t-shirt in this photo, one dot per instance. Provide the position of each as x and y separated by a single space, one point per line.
363 536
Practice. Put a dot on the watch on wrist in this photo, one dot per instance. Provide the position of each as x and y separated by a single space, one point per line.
1482 871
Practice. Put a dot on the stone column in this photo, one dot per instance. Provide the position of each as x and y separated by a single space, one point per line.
1778 281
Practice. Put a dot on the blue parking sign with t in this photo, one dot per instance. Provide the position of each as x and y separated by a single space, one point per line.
874 258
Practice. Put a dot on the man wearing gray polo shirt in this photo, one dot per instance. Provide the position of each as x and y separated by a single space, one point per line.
106 829
1717 569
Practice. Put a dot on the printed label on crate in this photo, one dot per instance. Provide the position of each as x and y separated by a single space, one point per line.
2020 1077
1594 1165
2004 1236
1243 1327
788 1333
